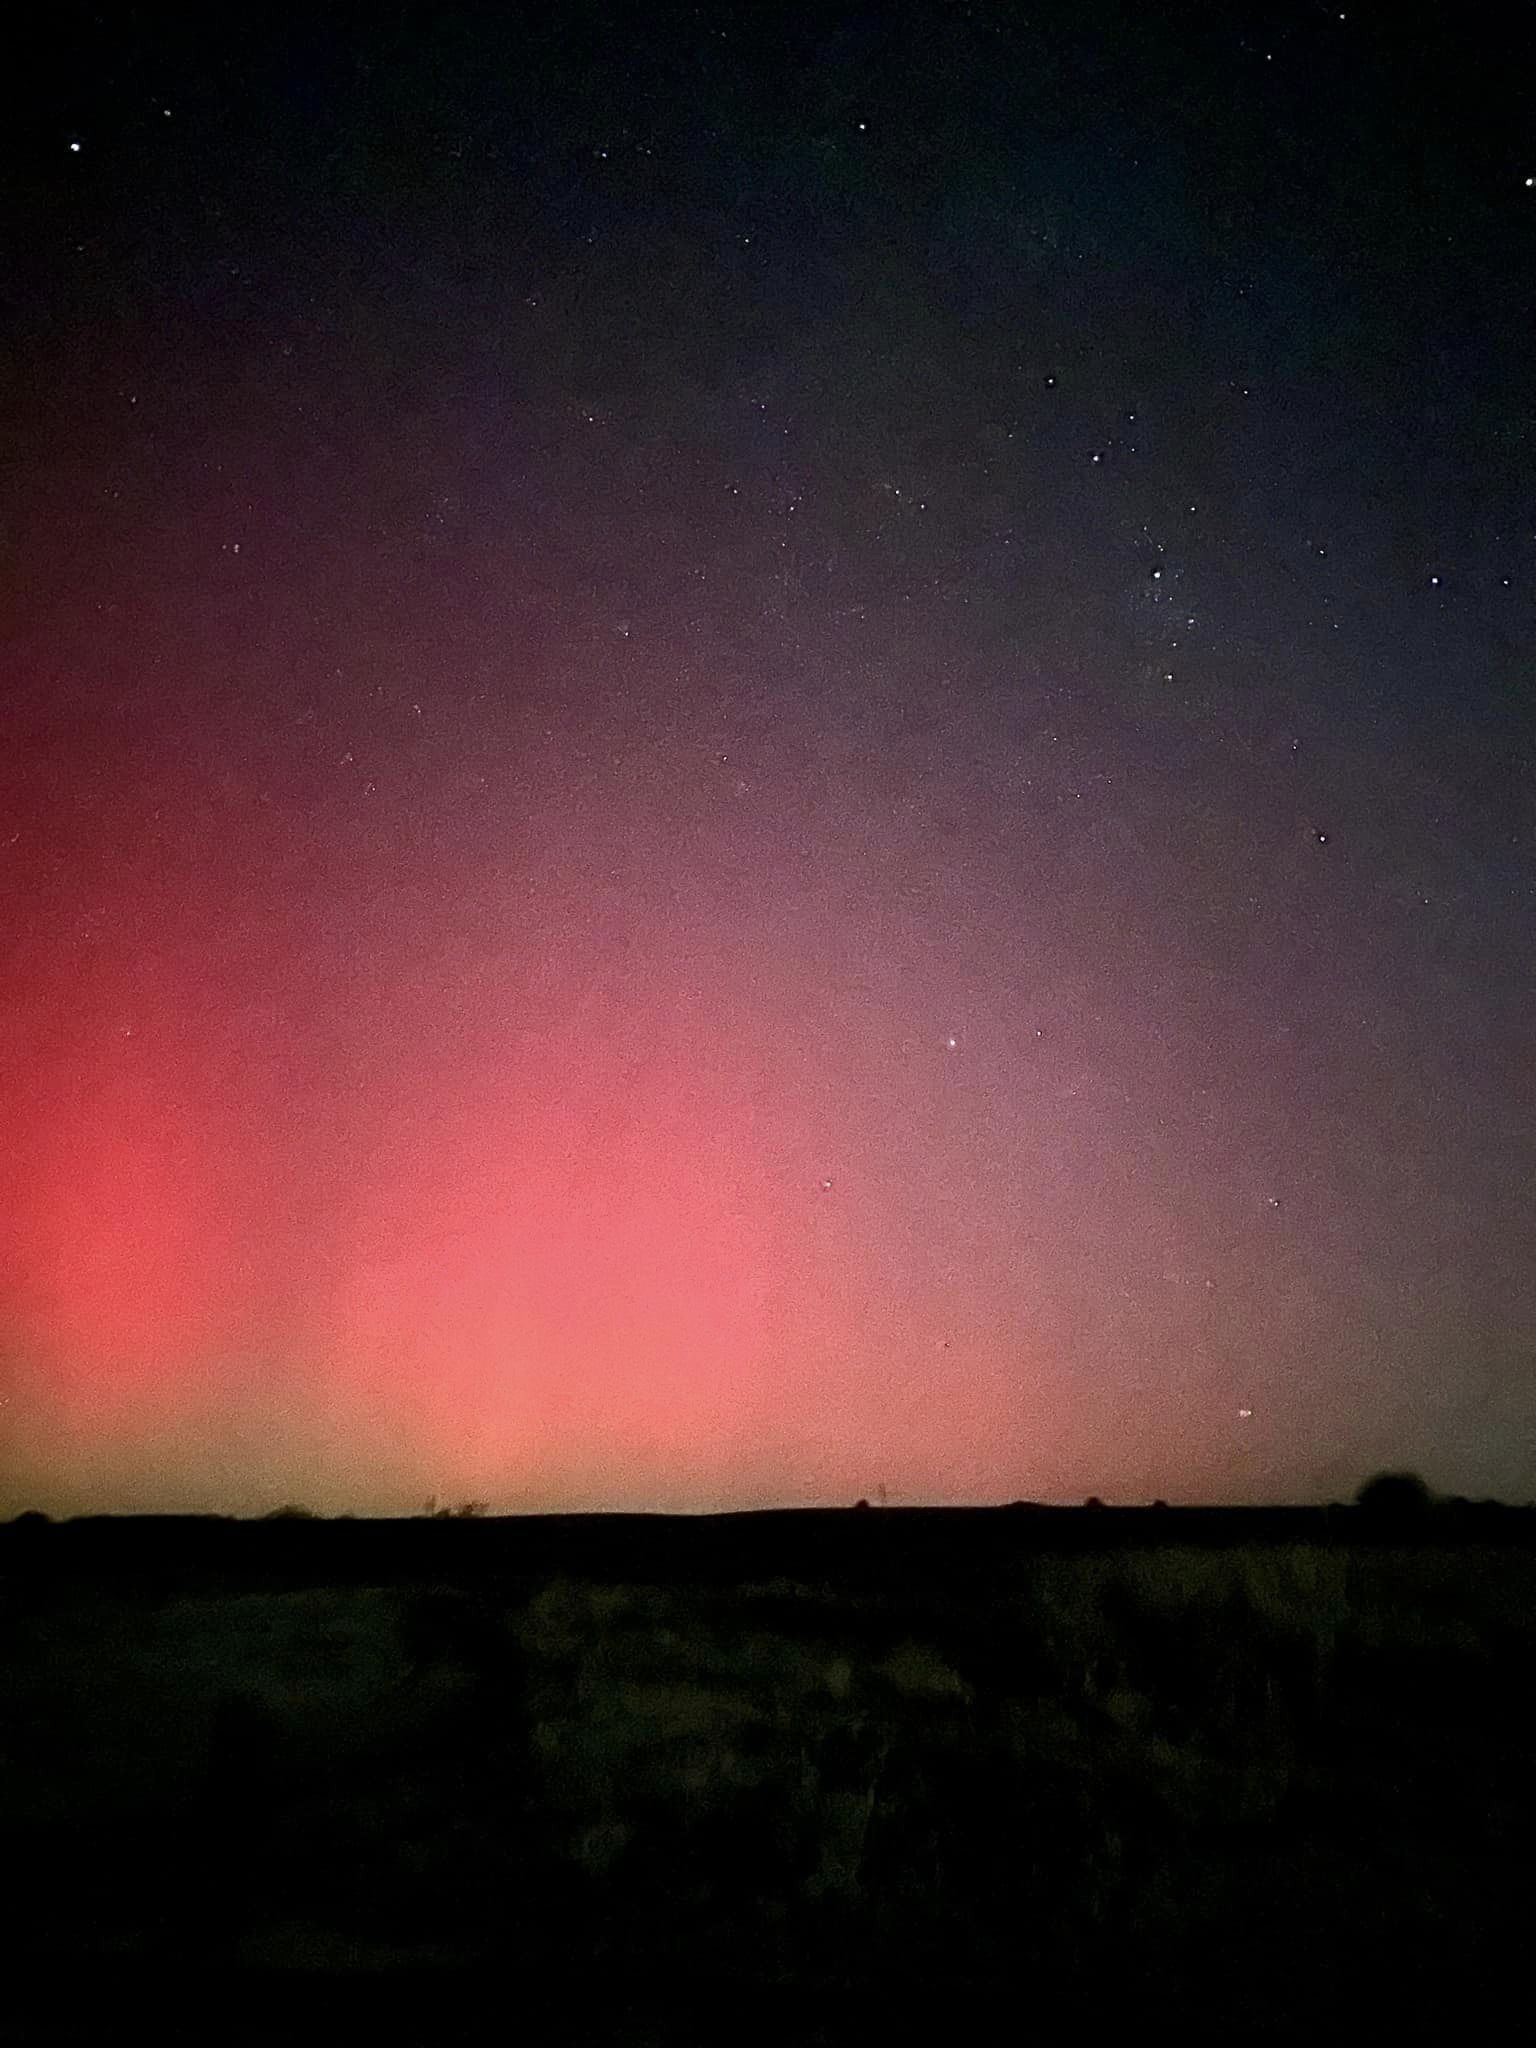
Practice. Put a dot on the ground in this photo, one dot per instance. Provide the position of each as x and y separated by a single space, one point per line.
1251 1783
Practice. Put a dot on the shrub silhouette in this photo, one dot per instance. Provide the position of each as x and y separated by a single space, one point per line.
443 1628
1093 1501
290 1512
31 1518
1394 1495
243 1747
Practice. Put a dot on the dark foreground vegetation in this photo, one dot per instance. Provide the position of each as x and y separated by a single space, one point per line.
830 1776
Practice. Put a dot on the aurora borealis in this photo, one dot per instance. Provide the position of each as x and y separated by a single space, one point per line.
751 759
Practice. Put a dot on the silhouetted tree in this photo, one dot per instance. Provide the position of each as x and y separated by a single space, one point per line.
861 1504
32 1518
1395 1494
291 1512
1093 1501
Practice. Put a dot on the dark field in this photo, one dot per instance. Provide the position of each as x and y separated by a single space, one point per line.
818 1774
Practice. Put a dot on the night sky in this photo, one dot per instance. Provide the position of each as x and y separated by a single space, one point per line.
748 755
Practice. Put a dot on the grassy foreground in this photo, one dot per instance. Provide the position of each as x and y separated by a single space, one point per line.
1260 1786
